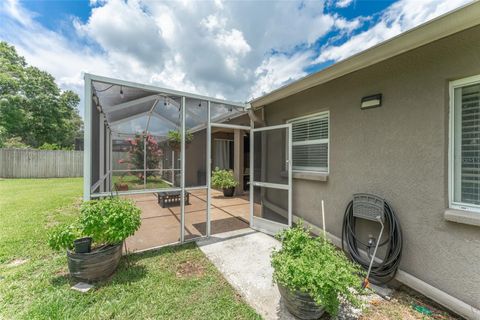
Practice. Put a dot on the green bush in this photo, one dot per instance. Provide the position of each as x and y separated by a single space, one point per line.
314 266
223 179
62 237
107 221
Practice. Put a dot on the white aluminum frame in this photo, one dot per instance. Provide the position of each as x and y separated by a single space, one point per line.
262 224
88 193
451 149
315 115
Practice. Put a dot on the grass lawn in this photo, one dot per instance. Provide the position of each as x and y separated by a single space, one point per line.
173 283
135 183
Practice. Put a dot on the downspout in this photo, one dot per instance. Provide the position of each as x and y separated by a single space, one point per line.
254 117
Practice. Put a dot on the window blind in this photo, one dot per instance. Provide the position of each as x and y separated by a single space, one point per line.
310 143
468 138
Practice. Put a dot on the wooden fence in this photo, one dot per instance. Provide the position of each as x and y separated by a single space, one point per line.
25 163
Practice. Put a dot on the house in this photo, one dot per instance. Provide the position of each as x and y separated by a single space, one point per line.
400 120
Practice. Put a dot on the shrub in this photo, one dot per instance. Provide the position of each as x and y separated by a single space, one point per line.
62 237
108 221
314 266
223 179
136 156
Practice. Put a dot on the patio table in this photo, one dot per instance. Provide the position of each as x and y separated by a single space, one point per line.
171 198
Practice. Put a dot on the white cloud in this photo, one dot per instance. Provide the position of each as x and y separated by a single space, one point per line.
232 49
399 17
343 3
278 70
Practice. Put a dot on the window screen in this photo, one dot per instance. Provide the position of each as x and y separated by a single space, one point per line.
467 144
310 143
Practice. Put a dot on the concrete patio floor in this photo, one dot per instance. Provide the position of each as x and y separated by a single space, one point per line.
161 226
243 257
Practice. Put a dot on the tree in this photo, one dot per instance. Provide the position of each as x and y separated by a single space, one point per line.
32 106
136 154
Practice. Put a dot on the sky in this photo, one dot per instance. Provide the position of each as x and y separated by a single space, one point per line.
235 50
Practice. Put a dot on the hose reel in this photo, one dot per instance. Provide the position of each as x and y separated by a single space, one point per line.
373 208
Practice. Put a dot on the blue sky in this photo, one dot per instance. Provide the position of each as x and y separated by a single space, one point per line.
228 49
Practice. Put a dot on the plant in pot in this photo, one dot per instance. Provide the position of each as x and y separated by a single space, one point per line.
106 223
224 179
312 275
175 139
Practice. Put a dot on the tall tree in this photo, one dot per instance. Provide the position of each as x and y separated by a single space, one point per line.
32 106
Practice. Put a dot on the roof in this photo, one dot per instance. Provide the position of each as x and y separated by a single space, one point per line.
445 25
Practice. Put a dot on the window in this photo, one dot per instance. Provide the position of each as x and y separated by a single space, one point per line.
465 144
310 139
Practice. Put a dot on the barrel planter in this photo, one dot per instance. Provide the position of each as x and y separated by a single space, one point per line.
300 304
96 265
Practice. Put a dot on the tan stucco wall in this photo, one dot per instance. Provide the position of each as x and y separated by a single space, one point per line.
398 151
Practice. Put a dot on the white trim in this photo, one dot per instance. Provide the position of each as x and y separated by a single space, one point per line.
182 175
229 126
209 169
87 139
270 185
451 148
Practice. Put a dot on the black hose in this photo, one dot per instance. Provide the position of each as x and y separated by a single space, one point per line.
384 271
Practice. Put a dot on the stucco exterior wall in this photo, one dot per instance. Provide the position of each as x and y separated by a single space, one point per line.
398 151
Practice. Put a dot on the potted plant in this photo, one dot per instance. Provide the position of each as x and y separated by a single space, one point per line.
175 139
224 179
107 223
312 275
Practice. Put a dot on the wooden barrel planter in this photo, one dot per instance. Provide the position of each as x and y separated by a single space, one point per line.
96 265
300 304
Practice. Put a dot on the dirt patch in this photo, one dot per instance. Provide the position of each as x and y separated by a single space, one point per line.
190 269
407 306
16 263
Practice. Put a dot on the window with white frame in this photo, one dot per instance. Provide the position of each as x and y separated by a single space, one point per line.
465 143
310 142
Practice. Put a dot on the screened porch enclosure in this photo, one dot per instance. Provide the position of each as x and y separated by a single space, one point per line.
151 145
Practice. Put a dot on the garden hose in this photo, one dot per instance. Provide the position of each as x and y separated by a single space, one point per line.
384 271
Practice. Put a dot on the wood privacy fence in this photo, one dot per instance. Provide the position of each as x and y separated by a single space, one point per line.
29 163
26 163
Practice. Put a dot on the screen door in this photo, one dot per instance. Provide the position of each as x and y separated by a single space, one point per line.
271 178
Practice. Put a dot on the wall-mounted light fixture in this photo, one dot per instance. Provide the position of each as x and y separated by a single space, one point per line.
372 101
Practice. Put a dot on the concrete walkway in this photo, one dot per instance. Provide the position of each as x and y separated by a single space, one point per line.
243 257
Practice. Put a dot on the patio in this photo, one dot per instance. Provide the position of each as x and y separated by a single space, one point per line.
161 226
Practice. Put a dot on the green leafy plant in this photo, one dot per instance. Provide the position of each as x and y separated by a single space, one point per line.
223 179
62 237
108 221
175 138
314 266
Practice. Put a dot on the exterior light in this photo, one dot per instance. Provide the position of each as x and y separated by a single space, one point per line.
372 101
121 92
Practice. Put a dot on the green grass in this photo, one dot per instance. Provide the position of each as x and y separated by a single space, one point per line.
135 183
146 286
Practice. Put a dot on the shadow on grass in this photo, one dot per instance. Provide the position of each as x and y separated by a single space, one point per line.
129 270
